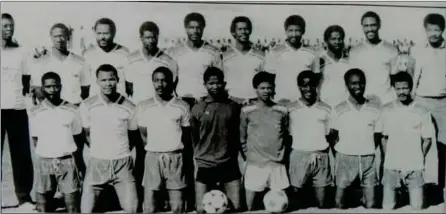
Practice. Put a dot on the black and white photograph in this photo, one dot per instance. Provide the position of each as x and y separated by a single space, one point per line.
223 107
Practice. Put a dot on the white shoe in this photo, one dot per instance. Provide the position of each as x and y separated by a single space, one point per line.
27 207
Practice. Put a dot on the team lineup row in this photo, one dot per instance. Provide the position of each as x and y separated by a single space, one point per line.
332 110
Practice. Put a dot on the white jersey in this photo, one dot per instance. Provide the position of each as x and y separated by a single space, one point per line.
139 71
192 65
95 57
287 63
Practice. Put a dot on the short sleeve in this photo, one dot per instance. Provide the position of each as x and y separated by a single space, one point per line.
334 120
36 74
174 68
379 123
33 125
128 72
76 124
85 116
327 123
270 63
140 118
427 126
133 122
24 65
185 118
85 75
315 65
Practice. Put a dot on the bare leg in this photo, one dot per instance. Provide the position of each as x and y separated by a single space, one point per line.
389 198
127 196
150 202
176 201
200 190
89 197
369 197
43 202
250 199
233 191
416 198
340 198
320 193
72 202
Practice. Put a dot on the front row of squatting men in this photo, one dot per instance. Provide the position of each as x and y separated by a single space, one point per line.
217 127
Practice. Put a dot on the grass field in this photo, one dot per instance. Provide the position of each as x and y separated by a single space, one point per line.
9 198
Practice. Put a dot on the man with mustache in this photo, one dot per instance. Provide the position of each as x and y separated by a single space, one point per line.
407 125
15 85
193 57
430 83
355 140
334 64
55 128
287 60
242 61
373 56
106 51
142 63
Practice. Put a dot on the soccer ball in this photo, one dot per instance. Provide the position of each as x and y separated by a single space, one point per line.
275 201
215 201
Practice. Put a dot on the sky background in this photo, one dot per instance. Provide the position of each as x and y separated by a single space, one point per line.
34 19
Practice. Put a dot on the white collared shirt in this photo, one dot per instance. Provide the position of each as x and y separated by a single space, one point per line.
73 71
163 122
54 127
14 65
109 124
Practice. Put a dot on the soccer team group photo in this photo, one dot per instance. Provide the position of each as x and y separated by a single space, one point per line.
224 124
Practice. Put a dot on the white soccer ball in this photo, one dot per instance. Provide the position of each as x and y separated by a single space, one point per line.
215 201
275 201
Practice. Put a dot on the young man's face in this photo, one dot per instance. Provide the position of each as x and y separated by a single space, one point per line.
107 82
433 33
265 91
194 31
294 33
335 41
161 84
59 37
356 86
104 35
242 32
402 91
215 86
7 28
149 40
51 89
307 89
370 26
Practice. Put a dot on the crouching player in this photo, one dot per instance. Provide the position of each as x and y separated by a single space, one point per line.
407 136
309 128
215 131
109 122
263 130
55 129
163 122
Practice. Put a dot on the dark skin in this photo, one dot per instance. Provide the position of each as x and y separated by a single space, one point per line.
8 43
51 90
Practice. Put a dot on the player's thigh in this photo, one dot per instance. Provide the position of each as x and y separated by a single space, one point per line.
45 179
346 170
233 190
391 179
126 191
278 179
152 178
69 180
299 168
368 168
256 177
174 172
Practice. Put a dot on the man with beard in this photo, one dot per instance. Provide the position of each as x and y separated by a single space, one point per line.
373 57
55 161
106 52
407 125
72 69
193 57
242 61
15 84
142 63
215 131
355 139
309 128
163 122
430 83
109 122
286 61
334 64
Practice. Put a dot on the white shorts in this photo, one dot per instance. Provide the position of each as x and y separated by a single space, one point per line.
257 178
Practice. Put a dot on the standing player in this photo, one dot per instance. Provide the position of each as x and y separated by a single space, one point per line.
430 82
373 56
110 126
263 130
405 125
309 128
56 166
106 52
355 140
142 63
15 84
242 61
193 57
289 59
334 64
164 168
71 68
215 128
